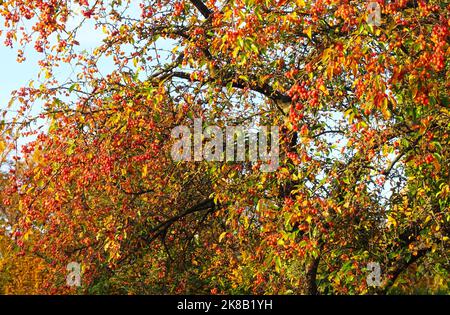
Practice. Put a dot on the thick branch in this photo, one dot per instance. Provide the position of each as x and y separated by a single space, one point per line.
204 205
202 8
265 90
311 275
402 266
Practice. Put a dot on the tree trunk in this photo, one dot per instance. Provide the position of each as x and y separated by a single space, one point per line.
311 274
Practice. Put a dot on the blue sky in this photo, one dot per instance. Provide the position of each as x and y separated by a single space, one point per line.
14 74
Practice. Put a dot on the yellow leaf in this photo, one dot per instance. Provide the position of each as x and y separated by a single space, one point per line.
301 3
385 110
324 89
26 236
308 32
326 55
236 51
144 171
222 236
433 248
391 221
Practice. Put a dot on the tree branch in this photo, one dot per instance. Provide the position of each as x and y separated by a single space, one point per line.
202 8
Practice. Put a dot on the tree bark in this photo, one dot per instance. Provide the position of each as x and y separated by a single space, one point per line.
311 275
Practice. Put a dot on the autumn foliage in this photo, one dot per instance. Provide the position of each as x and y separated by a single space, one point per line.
364 116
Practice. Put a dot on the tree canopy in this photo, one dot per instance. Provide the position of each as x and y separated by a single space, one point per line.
363 175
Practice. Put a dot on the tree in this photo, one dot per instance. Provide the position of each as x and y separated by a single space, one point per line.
364 159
